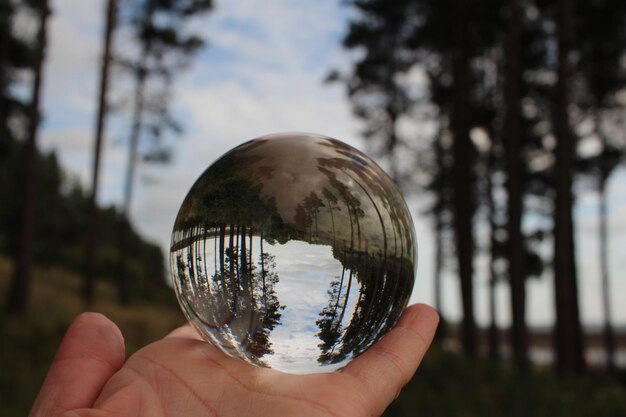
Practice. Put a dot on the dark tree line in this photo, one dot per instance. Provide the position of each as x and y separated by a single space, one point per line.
164 47
21 280
500 95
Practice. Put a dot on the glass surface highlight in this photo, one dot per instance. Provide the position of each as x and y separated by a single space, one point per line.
295 252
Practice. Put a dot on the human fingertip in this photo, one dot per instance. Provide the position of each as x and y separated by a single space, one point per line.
96 326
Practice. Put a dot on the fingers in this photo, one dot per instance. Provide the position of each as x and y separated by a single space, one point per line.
389 364
90 353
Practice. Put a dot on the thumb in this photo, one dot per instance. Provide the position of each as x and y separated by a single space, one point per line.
90 353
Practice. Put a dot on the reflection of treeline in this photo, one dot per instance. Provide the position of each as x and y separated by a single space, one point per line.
223 197
384 285
232 294
231 192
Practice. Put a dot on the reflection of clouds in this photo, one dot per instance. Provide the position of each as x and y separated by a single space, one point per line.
303 290
304 282
297 170
305 272
323 187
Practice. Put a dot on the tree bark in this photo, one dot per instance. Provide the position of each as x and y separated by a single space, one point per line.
141 75
6 25
439 251
133 151
462 151
19 287
569 345
512 140
92 238
438 268
609 336
492 336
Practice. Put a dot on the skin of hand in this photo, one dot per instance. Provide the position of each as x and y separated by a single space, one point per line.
182 375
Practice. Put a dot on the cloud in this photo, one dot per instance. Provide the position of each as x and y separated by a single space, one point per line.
263 73
72 61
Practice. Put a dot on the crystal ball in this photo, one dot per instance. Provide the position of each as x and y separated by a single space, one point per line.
293 251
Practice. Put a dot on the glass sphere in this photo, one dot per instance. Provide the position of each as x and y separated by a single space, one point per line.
295 252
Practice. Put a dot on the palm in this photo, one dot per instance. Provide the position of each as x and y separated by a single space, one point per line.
182 375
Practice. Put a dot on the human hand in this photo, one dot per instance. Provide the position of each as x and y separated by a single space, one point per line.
182 375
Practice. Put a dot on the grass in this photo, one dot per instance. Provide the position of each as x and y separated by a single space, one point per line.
449 385
28 344
446 384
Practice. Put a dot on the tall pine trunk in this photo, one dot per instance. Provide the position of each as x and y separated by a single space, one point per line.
437 276
512 144
609 336
462 170
6 25
141 75
19 287
492 334
92 238
569 345
439 250
133 152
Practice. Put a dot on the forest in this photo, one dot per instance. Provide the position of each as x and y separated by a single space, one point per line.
502 113
516 96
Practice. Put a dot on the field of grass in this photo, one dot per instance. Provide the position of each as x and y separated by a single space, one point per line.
27 345
446 384
449 385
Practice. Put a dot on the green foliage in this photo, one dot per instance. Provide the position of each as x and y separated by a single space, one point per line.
60 224
449 385
166 46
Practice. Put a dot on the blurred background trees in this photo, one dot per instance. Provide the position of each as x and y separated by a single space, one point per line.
25 216
501 112
43 215
509 90
165 48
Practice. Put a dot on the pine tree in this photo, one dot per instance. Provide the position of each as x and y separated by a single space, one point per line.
569 344
165 49
19 287
103 108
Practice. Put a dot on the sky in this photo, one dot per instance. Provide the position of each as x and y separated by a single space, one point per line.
262 73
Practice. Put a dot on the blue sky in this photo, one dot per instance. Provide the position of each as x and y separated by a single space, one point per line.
263 72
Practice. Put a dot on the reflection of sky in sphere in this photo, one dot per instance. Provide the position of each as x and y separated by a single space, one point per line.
306 272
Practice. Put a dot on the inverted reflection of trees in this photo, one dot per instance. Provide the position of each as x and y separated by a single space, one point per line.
378 306
380 276
237 302
357 213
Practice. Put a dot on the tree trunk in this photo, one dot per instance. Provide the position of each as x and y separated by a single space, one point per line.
512 140
141 75
463 211
492 339
222 249
90 247
439 251
19 287
6 25
133 151
569 345
437 278
609 337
